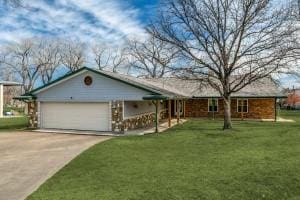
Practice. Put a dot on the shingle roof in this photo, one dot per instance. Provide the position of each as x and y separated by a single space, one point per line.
262 88
193 88
153 84
175 87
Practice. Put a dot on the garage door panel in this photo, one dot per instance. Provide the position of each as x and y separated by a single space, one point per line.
79 116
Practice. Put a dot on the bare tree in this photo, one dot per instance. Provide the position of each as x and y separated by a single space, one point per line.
48 54
298 3
20 59
102 56
109 57
72 55
153 57
119 58
229 43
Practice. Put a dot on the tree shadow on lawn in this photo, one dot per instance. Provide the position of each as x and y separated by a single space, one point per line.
214 128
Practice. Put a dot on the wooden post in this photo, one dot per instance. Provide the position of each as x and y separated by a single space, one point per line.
178 111
184 113
275 107
156 116
169 112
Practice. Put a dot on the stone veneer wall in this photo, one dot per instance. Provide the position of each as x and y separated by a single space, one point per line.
32 113
117 116
257 109
163 114
143 121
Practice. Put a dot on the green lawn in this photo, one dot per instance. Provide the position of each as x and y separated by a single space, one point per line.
197 160
11 123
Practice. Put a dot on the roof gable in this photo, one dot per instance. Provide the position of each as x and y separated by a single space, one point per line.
101 89
78 72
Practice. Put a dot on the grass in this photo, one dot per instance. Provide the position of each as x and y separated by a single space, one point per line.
197 160
12 123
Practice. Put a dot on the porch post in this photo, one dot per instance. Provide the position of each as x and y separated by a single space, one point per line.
178 111
275 107
184 113
1 100
169 113
156 117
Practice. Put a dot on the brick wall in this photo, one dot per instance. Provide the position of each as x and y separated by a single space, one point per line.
257 109
293 98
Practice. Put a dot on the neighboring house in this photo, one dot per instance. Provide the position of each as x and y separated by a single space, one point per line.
103 101
2 93
293 99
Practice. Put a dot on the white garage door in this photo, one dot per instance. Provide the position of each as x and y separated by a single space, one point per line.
77 116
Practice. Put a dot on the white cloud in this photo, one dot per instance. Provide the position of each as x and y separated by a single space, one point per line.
88 21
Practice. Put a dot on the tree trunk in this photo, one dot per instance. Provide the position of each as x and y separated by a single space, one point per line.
227 113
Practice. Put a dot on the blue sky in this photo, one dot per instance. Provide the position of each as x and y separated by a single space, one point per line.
86 20
89 21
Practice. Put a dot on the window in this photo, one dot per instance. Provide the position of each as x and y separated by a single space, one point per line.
212 105
88 80
242 105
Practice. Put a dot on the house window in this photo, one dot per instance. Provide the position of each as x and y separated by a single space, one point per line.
242 105
88 80
212 105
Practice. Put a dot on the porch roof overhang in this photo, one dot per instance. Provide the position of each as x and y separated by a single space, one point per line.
10 83
163 97
25 98
156 97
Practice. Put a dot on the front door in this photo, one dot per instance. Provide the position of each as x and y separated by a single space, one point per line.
180 106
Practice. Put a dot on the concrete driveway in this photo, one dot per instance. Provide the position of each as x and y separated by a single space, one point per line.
27 159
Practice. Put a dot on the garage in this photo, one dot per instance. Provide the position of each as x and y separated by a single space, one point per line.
75 116
85 100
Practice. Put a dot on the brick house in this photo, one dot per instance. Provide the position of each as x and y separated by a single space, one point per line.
104 101
293 99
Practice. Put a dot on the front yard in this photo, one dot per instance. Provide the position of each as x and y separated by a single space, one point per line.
197 160
12 123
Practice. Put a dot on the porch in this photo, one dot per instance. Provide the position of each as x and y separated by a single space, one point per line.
171 110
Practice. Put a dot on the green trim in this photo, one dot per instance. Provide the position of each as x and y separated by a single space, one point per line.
25 98
94 71
155 97
55 81
123 81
